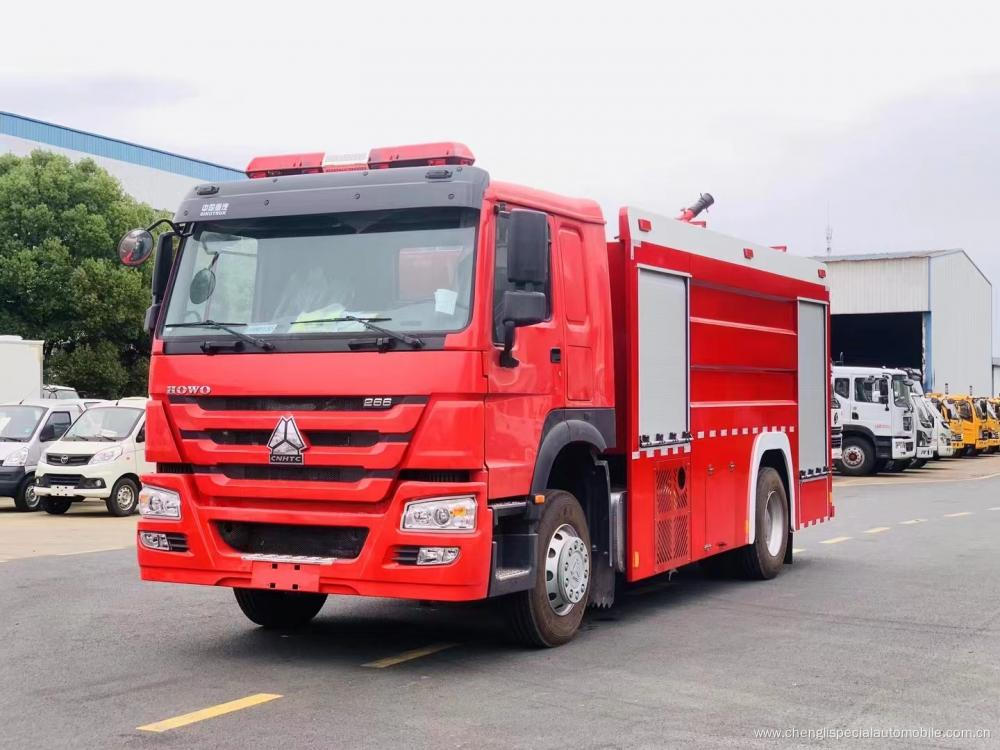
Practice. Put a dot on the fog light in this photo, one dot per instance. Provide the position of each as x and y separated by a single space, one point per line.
154 540
437 555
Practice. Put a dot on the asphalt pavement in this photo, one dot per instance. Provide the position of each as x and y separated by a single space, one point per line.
885 630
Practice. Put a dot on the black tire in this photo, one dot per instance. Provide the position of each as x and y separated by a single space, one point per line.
279 609
25 499
918 463
56 506
971 451
898 465
124 498
533 620
857 457
880 465
763 559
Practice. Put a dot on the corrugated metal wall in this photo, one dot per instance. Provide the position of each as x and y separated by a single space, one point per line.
878 286
960 346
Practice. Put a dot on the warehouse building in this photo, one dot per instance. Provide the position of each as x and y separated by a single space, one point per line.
928 310
150 175
996 376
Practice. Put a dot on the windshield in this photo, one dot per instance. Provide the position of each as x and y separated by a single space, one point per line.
964 410
287 277
18 423
900 391
108 423
980 408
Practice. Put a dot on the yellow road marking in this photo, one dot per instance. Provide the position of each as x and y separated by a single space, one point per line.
209 713
797 550
408 655
956 515
877 530
913 521
835 540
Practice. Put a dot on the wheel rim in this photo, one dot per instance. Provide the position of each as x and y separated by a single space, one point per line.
567 569
30 498
774 522
125 497
853 456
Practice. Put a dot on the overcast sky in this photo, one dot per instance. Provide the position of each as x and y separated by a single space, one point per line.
883 115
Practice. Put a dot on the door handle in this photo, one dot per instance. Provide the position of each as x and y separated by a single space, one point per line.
555 355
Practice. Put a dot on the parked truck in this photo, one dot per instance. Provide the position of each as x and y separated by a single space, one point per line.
399 377
20 369
878 428
975 433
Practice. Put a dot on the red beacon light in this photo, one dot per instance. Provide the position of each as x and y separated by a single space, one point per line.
416 155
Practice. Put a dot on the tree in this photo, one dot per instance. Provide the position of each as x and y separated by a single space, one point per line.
60 280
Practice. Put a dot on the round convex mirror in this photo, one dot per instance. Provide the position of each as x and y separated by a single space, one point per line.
135 247
202 286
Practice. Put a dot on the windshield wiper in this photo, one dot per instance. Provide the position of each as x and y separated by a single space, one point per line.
369 323
208 347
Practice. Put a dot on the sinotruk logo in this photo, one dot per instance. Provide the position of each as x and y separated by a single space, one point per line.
286 442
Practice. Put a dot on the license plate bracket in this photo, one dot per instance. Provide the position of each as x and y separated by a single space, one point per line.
285 576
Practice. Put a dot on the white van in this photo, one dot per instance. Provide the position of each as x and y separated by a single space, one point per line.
100 458
27 428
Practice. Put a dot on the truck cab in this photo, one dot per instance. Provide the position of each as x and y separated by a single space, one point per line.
975 433
879 424
27 429
933 437
985 410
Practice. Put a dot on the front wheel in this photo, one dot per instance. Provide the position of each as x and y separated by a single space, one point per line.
279 609
763 558
918 463
549 613
857 457
124 499
25 500
55 506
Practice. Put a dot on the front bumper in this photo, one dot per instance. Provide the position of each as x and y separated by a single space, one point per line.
903 448
925 451
10 479
376 571
76 481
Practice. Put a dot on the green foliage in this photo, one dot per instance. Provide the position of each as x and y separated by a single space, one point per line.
60 280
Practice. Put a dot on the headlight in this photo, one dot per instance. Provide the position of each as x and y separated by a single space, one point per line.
17 458
106 455
159 503
441 514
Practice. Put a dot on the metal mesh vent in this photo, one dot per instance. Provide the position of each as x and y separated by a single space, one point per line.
672 524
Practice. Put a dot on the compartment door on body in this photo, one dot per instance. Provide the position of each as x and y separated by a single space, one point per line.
660 509
813 433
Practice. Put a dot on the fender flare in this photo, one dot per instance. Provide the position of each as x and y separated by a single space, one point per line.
562 428
768 441
857 429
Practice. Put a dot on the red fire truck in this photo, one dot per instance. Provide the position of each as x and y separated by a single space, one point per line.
395 376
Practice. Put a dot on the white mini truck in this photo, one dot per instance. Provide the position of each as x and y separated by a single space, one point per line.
101 457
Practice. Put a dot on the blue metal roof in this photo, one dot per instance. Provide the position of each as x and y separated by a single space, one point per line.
112 148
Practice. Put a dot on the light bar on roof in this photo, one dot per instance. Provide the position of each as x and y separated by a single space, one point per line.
415 155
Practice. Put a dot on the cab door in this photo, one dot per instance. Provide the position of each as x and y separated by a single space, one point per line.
519 397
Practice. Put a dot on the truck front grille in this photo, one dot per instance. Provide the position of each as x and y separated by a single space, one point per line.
59 480
295 403
343 542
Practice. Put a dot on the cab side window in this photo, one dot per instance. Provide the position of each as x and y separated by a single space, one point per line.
57 424
864 392
500 281
842 387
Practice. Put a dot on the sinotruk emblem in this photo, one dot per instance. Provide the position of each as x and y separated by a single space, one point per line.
286 442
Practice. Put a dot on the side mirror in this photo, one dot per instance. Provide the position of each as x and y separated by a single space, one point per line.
528 248
519 309
135 247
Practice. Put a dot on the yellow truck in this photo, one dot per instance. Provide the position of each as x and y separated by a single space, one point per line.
975 433
987 409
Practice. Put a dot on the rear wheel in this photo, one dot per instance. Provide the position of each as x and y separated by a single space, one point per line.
25 499
124 499
279 609
763 558
549 613
55 505
857 458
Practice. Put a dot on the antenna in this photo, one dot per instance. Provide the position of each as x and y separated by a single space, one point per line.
829 231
